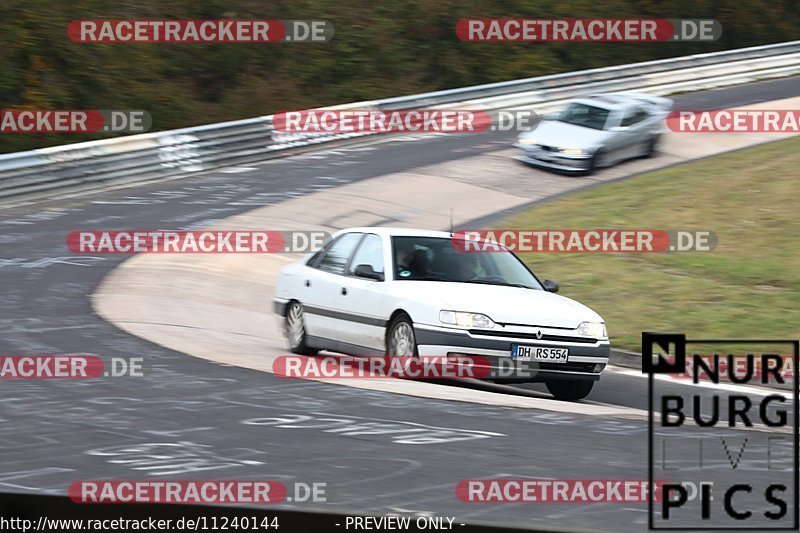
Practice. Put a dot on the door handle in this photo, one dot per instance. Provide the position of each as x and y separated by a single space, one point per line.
344 291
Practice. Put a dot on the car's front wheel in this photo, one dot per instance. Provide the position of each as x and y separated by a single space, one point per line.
295 330
596 162
649 148
401 341
570 390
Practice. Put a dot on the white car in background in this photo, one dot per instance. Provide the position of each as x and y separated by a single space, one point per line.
415 293
596 132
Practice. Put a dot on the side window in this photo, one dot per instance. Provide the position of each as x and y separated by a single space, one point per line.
370 252
336 257
314 260
633 116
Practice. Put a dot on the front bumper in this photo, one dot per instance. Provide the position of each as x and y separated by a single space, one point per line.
566 163
279 306
586 361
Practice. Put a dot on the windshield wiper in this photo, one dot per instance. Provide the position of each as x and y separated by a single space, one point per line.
500 283
427 278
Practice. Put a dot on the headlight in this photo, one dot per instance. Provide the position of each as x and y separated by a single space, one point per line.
572 151
526 140
595 330
466 320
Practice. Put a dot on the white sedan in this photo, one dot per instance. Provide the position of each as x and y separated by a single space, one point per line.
418 293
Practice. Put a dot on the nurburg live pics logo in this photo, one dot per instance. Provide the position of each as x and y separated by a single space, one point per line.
729 450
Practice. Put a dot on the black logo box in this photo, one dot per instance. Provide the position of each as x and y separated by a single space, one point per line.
663 366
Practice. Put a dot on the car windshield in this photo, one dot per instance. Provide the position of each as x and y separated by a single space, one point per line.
585 115
449 260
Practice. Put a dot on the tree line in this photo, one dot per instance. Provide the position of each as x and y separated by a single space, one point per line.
380 49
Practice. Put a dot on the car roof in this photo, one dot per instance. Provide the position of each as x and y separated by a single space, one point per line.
396 232
608 101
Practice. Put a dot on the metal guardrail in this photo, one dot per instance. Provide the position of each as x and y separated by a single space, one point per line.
605 74
175 152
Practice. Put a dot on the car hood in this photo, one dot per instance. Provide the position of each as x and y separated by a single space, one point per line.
563 135
503 304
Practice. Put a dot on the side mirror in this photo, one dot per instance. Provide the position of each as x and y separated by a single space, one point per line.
366 271
550 285
617 129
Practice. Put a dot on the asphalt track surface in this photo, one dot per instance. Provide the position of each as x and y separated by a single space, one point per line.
208 421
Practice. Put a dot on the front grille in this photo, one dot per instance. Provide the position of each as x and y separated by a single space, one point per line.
532 336
547 148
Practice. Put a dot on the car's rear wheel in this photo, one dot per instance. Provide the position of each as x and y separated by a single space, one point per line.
401 341
295 330
570 390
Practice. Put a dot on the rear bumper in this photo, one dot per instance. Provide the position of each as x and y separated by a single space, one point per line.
586 361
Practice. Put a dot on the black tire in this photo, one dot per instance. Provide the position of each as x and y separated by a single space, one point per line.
651 147
569 390
594 161
295 330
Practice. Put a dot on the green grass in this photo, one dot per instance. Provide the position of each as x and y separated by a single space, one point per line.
749 286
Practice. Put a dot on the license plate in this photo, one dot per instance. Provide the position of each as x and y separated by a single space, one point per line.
540 354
